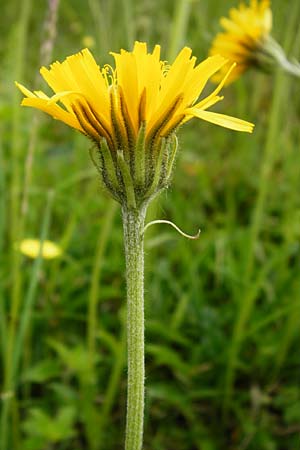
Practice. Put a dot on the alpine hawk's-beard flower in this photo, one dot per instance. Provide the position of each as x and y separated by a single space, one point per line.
248 42
132 112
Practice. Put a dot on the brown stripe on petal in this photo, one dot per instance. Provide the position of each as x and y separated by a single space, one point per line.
118 120
130 132
163 121
98 120
127 120
86 126
168 130
90 115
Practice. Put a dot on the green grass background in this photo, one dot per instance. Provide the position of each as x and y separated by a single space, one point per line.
222 313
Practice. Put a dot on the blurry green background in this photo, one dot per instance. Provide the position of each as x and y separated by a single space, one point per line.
222 313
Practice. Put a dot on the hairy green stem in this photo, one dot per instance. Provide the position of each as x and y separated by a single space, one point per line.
133 223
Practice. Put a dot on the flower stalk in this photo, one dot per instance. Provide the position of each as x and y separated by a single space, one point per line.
271 55
133 224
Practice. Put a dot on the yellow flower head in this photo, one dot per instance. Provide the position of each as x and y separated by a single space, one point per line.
32 249
245 30
132 111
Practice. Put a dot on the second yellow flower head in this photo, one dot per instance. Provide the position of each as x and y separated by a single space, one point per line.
244 32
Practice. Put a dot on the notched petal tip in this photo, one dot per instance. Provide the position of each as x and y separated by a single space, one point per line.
85 50
24 90
251 127
219 57
187 51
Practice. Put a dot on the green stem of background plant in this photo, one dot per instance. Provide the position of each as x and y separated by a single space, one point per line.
179 26
133 223
95 280
270 153
13 360
16 148
246 306
3 319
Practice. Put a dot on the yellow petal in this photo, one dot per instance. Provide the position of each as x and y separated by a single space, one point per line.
55 98
53 110
90 80
212 101
139 49
221 119
171 84
176 76
41 94
207 101
24 90
194 85
127 79
156 52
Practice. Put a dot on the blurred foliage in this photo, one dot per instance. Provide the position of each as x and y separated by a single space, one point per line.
222 348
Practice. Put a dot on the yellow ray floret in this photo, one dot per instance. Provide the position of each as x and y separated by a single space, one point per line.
244 30
141 90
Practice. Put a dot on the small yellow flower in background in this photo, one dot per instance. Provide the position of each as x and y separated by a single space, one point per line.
32 249
246 40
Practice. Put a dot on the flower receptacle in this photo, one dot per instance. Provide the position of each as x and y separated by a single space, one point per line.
269 55
133 176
